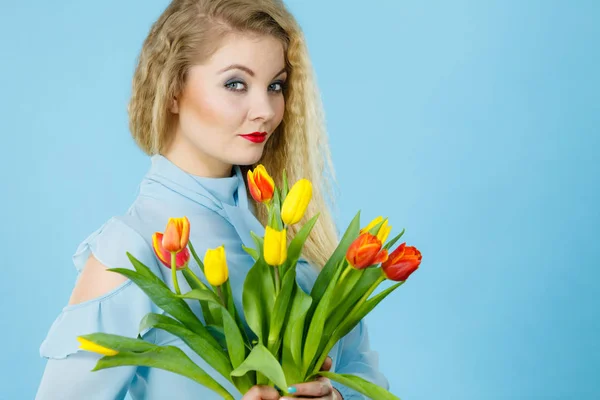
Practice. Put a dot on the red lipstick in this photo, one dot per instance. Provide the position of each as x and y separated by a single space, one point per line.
255 137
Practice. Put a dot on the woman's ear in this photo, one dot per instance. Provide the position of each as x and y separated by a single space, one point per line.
174 106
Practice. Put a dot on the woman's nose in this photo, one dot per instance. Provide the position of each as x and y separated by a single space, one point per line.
262 107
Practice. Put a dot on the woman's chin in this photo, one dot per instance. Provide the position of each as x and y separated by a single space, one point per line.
248 158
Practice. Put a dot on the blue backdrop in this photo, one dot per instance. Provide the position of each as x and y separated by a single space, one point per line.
474 125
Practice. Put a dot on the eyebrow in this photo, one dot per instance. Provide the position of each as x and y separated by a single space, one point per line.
247 70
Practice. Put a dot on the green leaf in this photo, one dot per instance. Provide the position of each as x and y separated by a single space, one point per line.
201 294
375 230
280 310
234 312
168 358
345 288
196 283
293 336
164 298
234 339
394 240
286 187
142 269
367 278
348 321
314 337
275 214
218 333
205 345
359 384
296 245
258 298
262 361
330 267
118 342
252 252
259 242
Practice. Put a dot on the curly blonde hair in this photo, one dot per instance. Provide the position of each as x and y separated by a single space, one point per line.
188 32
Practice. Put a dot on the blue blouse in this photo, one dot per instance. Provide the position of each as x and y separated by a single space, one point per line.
219 213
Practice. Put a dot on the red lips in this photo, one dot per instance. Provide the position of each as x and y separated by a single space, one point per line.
255 137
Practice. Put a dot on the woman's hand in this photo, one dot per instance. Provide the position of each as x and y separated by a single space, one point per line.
259 392
320 389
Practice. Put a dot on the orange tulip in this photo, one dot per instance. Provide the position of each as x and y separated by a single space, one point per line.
260 184
181 259
365 251
402 262
176 235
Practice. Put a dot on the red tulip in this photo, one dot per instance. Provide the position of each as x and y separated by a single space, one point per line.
177 234
181 259
365 251
402 262
260 184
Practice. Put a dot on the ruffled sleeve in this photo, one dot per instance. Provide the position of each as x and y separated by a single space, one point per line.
68 371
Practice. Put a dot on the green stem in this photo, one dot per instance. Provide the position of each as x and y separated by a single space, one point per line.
277 281
174 272
344 274
196 279
222 297
329 346
195 255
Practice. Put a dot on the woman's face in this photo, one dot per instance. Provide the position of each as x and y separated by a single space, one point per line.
236 93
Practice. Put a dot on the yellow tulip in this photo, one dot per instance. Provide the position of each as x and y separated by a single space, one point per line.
95 348
295 204
371 225
275 246
215 266
384 231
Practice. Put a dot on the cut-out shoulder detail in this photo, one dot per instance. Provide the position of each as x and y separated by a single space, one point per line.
94 282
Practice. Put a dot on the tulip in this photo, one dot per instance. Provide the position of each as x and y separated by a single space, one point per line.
181 259
215 266
295 204
402 262
261 185
275 246
95 348
366 251
177 235
371 225
384 229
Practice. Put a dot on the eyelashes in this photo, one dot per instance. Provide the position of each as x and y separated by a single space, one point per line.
240 86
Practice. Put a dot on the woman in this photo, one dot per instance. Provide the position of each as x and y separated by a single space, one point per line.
221 85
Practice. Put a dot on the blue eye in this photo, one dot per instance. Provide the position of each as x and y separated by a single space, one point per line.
277 87
236 86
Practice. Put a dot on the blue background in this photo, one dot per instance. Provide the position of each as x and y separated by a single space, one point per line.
474 125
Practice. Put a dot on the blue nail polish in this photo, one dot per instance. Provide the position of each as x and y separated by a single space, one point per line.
292 390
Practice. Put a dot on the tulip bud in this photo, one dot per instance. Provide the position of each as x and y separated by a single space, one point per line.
260 184
366 251
181 259
402 263
275 246
95 348
371 224
176 235
295 204
384 231
215 266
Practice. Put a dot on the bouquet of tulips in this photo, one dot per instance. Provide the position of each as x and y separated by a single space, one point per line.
291 332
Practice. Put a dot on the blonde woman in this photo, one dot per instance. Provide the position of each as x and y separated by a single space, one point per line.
220 86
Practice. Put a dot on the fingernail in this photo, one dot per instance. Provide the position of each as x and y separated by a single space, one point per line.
291 390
